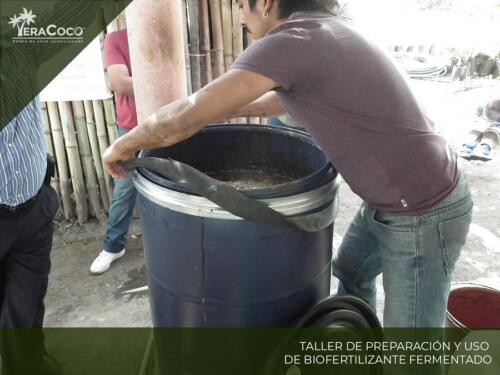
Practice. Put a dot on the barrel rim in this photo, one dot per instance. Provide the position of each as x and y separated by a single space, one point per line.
327 172
195 205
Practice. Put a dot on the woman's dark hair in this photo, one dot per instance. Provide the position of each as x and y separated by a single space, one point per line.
287 7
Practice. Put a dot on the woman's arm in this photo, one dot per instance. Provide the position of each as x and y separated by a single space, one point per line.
120 80
268 105
183 118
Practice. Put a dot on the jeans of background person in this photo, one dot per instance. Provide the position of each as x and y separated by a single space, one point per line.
25 245
415 254
275 121
121 210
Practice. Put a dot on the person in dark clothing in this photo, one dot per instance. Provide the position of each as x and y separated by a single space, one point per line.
27 208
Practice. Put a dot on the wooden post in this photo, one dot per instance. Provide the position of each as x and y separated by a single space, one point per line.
206 61
216 17
96 153
75 165
157 53
62 164
86 157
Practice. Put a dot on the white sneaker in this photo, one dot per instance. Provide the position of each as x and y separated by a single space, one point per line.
103 261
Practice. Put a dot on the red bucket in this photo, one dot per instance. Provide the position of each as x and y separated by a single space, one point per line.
473 306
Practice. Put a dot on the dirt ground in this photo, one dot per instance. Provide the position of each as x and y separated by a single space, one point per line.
77 299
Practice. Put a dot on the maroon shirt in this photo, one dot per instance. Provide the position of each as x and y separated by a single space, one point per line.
349 95
116 52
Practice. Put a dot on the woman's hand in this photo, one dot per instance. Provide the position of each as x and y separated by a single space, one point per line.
112 156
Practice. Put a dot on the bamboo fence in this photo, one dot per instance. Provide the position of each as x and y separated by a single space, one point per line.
77 133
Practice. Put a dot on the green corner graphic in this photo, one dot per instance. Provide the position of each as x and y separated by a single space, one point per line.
39 38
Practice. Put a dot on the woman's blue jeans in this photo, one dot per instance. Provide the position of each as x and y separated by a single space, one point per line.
121 210
415 254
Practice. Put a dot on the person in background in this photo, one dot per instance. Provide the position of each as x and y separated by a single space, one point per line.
417 205
284 120
27 208
485 137
275 121
117 57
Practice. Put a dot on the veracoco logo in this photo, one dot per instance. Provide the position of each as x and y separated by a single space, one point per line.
27 32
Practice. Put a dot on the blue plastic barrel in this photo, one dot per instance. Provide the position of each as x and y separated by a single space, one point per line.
208 268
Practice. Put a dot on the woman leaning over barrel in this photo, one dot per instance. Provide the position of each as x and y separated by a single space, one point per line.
417 206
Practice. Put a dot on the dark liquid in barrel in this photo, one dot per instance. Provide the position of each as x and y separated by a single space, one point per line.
250 179
475 307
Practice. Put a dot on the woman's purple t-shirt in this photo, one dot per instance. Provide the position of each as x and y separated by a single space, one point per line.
353 100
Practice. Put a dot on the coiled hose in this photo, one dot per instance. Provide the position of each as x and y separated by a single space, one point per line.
348 316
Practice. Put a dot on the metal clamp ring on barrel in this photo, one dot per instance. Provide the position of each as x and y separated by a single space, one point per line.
271 211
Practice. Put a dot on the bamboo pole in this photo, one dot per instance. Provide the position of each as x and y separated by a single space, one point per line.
86 157
102 138
218 40
186 47
109 113
237 30
237 40
252 120
50 146
122 22
113 26
206 61
194 43
46 128
102 36
227 32
96 154
75 165
62 163
227 37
